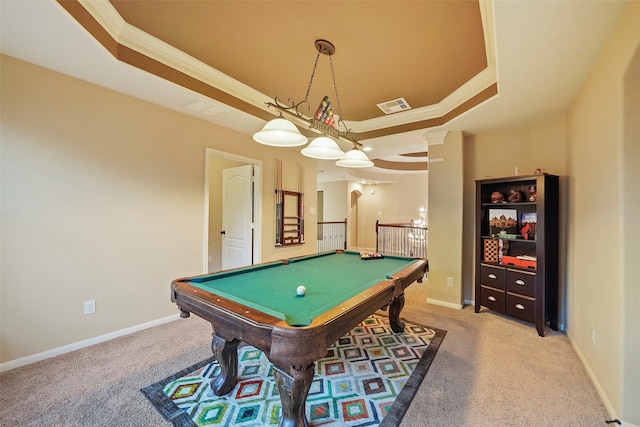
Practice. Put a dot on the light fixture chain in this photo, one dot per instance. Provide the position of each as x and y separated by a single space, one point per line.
313 72
335 88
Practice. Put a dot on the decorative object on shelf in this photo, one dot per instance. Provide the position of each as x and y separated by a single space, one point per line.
528 225
490 250
282 131
503 235
497 197
533 193
503 249
515 196
503 221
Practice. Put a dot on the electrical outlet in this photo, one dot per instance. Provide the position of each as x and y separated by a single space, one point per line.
90 306
450 282
593 336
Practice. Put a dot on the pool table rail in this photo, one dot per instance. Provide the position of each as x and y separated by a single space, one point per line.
285 344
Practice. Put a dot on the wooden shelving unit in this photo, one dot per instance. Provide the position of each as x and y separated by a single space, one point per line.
516 262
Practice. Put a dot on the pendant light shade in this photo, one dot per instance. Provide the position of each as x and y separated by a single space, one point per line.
283 133
323 148
280 133
355 159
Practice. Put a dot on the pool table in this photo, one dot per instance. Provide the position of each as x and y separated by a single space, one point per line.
259 305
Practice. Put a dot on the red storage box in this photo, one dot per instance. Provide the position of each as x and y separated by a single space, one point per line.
519 262
510 260
530 264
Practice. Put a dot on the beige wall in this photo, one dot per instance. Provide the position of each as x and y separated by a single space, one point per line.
103 198
396 202
595 149
541 146
603 237
631 238
335 200
446 194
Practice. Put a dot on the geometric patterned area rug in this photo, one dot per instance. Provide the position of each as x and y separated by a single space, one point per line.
368 378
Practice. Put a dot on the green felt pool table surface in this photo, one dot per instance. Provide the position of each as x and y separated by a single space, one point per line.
330 279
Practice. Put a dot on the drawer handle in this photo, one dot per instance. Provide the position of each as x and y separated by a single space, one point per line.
519 282
492 276
520 306
491 298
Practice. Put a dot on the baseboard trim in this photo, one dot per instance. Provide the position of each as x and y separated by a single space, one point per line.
594 380
444 303
27 360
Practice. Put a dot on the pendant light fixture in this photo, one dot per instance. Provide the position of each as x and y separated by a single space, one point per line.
323 148
282 132
355 158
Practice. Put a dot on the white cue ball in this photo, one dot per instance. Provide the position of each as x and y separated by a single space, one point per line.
301 290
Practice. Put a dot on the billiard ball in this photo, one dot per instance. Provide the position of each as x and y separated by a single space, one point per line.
301 290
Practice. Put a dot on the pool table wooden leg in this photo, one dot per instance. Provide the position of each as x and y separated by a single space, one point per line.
395 308
226 352
294 387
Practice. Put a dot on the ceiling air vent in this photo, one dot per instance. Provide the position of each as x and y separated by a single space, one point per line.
204 107
394 106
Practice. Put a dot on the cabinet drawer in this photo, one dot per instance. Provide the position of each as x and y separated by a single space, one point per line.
492 298
521 282
521 307
492 276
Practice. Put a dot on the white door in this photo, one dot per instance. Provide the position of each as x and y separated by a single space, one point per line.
237 217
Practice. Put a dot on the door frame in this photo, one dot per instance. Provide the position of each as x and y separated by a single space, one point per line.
257 202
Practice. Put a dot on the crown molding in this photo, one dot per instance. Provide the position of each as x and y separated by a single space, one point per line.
468 90
471 88
139 41
435 138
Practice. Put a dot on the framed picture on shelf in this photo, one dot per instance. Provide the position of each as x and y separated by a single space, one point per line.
503 220
528 225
